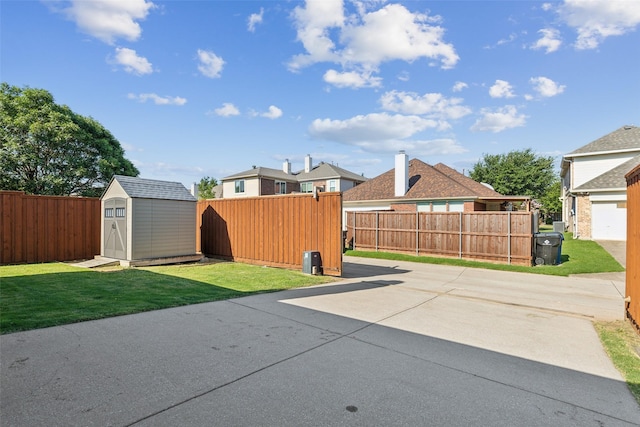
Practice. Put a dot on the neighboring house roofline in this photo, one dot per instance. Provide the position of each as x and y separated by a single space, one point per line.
321 171
600 153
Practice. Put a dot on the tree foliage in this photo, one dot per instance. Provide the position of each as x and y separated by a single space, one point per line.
517 173
46 148
205 188
550 201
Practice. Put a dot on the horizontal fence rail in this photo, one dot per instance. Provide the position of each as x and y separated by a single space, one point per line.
633 247
502 237
48 228
273 230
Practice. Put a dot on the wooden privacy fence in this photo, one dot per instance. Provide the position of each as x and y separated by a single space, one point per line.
47 228
504 237
633 247
273 230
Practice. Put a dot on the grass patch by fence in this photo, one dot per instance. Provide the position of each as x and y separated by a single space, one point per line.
622 344
578 257
42 295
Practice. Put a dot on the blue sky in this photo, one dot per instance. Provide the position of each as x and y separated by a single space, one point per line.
211 88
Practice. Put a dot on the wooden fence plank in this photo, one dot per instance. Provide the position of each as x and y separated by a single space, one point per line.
273 230
48 228
487 236
633 247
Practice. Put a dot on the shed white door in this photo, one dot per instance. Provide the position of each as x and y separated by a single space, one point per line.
115 228
608 221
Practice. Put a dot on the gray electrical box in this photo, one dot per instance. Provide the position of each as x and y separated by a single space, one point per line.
311 262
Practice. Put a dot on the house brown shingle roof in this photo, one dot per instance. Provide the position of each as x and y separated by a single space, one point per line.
425 182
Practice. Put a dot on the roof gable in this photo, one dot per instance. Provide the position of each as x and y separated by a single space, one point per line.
152 189
425 182
626 138
329 171
260 171
613 179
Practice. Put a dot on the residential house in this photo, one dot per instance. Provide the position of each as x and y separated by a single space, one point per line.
594 197
261 181
417 186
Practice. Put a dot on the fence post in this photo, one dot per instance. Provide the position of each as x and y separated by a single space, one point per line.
460 238
509 238
377 228
417 232
354 230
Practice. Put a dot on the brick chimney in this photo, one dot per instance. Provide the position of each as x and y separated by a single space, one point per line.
402 174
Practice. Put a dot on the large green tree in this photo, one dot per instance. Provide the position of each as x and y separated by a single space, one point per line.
46 148
550 201
517 173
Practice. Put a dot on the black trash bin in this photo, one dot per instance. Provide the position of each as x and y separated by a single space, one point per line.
548 248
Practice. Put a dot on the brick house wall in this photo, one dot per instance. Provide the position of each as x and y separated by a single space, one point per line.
404 207
268 187
583 209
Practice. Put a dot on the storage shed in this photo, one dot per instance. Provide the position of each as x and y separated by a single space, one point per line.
147 222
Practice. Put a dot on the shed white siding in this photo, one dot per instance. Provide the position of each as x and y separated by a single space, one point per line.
163 228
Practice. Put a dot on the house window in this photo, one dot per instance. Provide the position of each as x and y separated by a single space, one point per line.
108 213
119 212
281 187
332 185
306 187
240 186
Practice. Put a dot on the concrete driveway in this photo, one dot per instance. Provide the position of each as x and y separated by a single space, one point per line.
392 344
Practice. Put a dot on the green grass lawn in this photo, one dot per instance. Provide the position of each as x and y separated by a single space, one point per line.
578 257
41 295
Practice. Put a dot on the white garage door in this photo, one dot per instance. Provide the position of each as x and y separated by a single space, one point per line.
608 221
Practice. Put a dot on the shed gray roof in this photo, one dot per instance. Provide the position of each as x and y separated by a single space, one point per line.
613 179
153 189
625 138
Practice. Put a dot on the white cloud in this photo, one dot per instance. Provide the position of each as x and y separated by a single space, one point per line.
313 23
595 20
370 127
210 64
459 86
432 105
361 42
384 133
157 99
131 62
227 110
546 87
273 113
501 89
500 119
550 40
255 19
392 33
109 20
351 79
